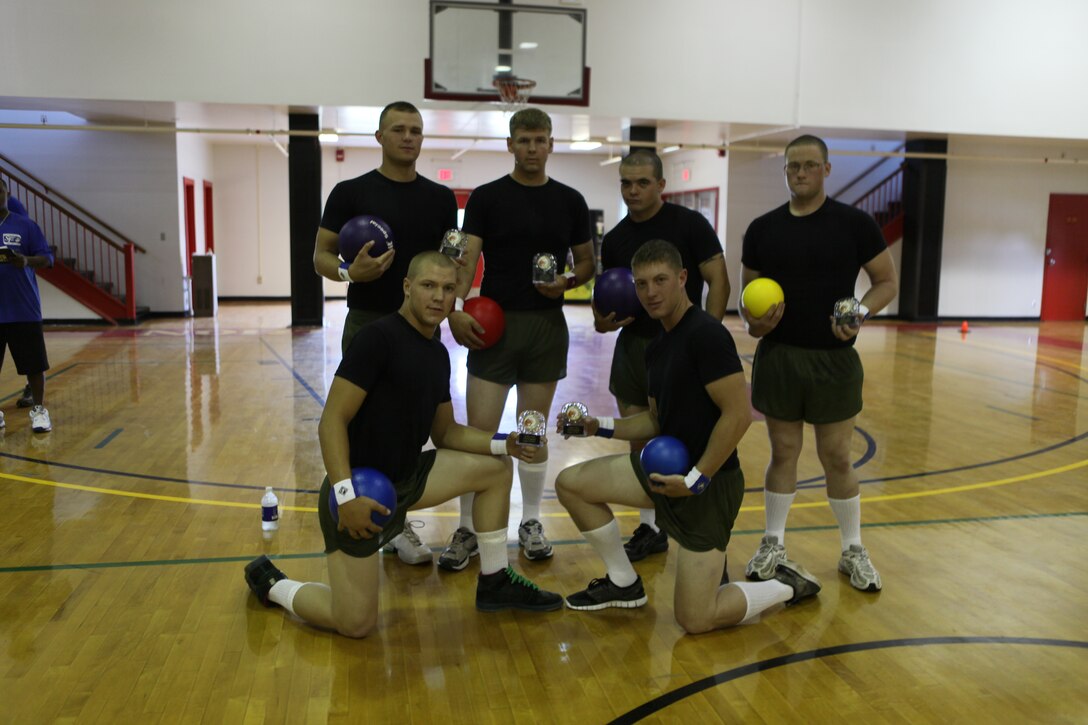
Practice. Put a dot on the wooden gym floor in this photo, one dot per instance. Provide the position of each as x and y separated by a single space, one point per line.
125 530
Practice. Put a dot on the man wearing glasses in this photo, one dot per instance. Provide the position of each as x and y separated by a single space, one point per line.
805 368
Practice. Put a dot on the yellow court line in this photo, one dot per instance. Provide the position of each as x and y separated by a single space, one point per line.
442 514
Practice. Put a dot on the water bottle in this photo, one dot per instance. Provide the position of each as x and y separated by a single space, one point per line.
270 512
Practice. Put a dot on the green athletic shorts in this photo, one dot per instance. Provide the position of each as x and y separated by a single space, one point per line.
628 381
703 522
533 349
409 491
816 386
358 319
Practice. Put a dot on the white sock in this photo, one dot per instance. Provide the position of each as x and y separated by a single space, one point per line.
762 596
848 513
493 556
778 508
532 477
648 517
607 543
466 510
283 593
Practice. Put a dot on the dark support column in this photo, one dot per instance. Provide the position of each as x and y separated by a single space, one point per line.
304 199
923 231
639 133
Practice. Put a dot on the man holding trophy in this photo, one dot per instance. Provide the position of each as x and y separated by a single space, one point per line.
525 224
697 394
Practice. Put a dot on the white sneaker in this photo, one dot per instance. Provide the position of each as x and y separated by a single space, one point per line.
2 423
408 546
39 419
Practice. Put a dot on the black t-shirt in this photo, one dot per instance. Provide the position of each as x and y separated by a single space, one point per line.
419 212
685 229
406 377
679 365
816 259
517 222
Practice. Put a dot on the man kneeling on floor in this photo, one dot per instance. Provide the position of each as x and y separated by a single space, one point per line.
390 393
698 395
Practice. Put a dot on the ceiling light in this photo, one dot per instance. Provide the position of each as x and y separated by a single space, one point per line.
584 145
670 149
527 45
328 137
503 69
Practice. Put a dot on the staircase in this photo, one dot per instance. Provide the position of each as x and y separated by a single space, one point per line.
884 202
93 262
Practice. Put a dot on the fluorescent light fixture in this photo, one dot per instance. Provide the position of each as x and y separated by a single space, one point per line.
612 160
584 145
670 149
328 137
503 69
528 45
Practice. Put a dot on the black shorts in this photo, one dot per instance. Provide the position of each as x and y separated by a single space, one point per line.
27 343
702 522
627 379
409 491
533 349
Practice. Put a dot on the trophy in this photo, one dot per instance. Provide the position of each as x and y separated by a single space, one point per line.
574 417
544 268
531 425
454 243
5 254
848 313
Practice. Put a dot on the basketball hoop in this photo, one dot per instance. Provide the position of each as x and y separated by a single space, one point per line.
513 92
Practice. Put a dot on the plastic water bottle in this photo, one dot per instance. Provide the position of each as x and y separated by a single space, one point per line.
270 512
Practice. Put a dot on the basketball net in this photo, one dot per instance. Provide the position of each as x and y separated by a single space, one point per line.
513 92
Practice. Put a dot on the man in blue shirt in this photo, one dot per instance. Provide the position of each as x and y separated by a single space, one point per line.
22 250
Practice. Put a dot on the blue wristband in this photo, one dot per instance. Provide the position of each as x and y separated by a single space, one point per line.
696 481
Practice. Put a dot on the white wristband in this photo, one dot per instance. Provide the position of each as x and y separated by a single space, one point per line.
459 304
863 311
695 480
498 445
344 491
343 272
606 426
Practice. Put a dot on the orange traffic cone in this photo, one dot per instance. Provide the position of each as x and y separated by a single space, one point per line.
964 327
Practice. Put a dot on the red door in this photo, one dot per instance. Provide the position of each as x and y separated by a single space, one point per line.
190 223
209 219
1065 272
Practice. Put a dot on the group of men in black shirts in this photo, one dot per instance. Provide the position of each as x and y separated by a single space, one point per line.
674 372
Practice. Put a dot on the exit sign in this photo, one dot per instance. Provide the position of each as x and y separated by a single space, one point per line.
445 174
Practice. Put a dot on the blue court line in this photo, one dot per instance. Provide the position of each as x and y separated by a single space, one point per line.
514 545
1013 412
105 441
295 373
661 702
19 393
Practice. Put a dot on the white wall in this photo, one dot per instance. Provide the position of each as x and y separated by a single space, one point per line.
57 305
128 180
995 225
971 66
252 214
195 162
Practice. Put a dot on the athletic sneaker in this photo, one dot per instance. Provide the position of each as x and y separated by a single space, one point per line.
532 540
602 593
646 541
855 562
795 576
408 546
461 548
39 419
507 589
261 574
764 564
2 423
26 400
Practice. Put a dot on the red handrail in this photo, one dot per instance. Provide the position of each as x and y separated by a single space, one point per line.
884 201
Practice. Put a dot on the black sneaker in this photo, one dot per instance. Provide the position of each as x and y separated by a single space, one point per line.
261 574
602 593
794 575
507 589
27 399
646 541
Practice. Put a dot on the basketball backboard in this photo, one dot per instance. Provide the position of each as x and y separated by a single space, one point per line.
473 43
